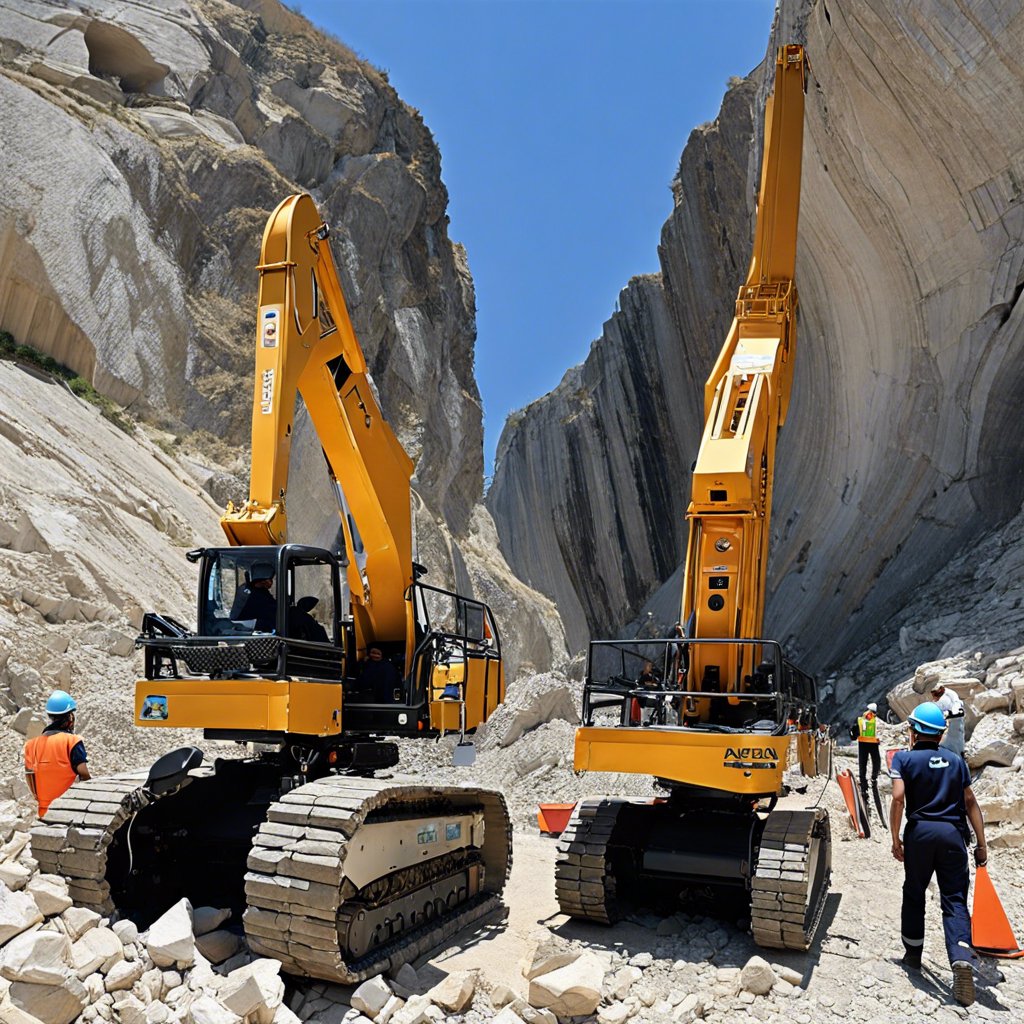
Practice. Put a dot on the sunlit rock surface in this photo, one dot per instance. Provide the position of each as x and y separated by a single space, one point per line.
902 443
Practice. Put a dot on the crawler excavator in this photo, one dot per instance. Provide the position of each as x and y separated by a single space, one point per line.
717 713
337 874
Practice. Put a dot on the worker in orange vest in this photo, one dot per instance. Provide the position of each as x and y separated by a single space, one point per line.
57 757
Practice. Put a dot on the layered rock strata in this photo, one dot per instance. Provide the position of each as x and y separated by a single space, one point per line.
900 446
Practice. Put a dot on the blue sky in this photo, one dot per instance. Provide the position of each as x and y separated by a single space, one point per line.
560 124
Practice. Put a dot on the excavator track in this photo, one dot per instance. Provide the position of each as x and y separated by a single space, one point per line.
790 882
297 905
788 886
77 833
585 885
301 908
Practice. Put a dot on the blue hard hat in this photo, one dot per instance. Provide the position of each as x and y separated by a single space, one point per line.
60 703
928 719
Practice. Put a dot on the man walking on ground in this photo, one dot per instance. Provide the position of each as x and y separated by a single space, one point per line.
935 785
952 708
57 757
867 749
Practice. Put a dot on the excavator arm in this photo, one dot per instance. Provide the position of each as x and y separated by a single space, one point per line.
746 398
305 345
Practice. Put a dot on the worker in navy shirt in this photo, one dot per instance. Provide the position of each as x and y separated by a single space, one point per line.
935 786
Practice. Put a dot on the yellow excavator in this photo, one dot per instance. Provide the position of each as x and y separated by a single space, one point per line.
311 659
717 713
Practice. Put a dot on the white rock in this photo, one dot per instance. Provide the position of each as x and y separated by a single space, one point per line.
285 1016
418 1010
18 911
501 995
570 991
129 1010
641 960
455 992
623 980
689 1009
42 957
549 955
390 1008
757 976
206 1010
371 995
52 1004
158 1013
50 893
614 1013
13 874
256 986
127 931
170 941
507 1016
788 974
208 919
79 920
124 974
97 950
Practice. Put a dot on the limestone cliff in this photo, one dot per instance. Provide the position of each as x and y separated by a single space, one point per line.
143 146
901 445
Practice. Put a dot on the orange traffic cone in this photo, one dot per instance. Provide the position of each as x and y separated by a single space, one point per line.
991 933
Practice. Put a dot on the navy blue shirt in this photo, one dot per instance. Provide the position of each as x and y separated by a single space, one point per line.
935 779
78 755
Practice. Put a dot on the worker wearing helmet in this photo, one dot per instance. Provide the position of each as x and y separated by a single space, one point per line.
867 750
57 757
935 785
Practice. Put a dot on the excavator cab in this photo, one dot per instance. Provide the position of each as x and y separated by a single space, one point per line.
274 660
268 611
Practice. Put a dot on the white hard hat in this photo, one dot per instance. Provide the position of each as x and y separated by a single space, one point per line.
872 707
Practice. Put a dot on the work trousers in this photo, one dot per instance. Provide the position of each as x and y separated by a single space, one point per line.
936 847
864 751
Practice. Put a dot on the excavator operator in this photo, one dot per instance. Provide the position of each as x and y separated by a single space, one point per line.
57 757
259 603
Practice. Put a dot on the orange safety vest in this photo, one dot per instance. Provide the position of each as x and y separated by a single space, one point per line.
866 728
48 758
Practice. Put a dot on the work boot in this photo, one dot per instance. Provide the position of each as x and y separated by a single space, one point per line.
963 982
912 959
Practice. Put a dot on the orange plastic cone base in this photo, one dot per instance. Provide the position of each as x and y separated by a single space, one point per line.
991 933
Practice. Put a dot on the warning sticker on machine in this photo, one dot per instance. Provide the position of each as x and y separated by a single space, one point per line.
154 709
270 325
452 830
427 834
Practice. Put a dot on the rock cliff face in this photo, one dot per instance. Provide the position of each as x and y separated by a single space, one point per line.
144 145
900 446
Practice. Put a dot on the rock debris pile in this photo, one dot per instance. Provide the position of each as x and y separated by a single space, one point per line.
526 751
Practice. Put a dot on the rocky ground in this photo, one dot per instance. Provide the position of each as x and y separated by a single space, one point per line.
60 964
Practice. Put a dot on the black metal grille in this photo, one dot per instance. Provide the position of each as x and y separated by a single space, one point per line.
216 659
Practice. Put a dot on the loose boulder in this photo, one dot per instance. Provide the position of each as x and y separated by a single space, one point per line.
40 957
18 911
757 976
170 941
570 991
